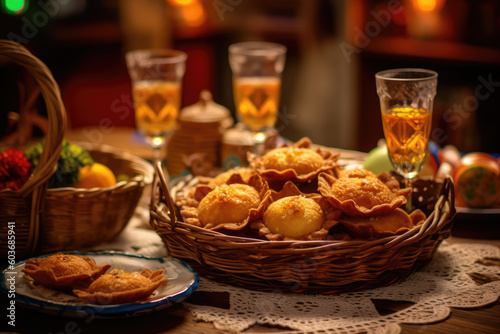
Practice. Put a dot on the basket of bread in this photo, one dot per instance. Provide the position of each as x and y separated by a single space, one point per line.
295 220
56 195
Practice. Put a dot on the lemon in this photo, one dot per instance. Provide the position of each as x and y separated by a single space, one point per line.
95 175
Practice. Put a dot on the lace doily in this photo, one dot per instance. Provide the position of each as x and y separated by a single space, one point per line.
459 275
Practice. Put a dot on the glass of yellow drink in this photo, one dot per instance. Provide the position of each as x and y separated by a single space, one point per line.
156 76
406 101
257 68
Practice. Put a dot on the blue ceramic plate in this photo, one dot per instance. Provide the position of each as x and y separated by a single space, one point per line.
181 282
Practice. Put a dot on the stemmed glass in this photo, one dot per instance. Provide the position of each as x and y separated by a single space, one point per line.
257 68
156 76
406 101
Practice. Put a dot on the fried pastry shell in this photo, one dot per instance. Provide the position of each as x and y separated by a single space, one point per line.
292 215
119 287
372 227
356 173
367 196
64 271
224 177
229 206
297 163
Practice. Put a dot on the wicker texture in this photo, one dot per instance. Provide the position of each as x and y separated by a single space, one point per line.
300 266
78 218
24 207
66 218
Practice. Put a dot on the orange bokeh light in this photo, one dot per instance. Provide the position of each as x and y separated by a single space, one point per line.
189 12
426 5
181 2
194 14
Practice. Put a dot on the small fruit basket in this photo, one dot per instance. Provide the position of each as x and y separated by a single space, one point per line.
75 218
44 220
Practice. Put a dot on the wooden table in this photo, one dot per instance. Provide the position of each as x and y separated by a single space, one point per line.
122 138
178 320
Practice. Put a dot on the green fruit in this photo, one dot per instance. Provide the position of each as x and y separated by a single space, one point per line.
378 160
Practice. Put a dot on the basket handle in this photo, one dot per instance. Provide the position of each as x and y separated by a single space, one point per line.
55 111
160 188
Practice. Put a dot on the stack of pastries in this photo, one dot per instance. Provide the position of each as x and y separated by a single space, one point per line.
299 192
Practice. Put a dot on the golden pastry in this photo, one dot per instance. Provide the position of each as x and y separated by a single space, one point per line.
295 217
223 178
356 173
372 227
227 205
119 287
366 196
301 160
298 163
292 215
63 271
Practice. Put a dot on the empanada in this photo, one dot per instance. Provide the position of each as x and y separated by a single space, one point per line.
367 196
119 287
64 271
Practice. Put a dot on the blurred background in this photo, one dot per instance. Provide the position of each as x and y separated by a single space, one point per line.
335 47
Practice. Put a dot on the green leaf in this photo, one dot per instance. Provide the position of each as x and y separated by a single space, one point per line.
72 157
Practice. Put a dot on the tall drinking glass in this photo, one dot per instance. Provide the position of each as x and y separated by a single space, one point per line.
156 76
257 68
406 101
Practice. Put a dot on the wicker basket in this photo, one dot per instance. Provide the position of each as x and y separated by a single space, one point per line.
76 218
65 218
300 266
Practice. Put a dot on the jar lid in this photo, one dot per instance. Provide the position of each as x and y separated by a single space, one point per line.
238 136
206 111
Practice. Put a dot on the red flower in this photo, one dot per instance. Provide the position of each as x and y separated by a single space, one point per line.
14 169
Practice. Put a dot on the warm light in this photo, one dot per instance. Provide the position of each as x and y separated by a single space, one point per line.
194 15
260 137
181 2
189 12
158 141
426 5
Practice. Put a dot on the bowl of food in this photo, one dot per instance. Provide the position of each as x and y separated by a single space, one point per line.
97 208
297 221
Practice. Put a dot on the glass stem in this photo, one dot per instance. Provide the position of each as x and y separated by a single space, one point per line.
156 155
408 184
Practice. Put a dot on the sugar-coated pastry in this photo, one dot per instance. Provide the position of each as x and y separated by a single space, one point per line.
362 196
227 205
299 163
223 178
294 217
301 160
356 173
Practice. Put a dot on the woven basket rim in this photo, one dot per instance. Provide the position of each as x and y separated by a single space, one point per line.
146 178
56 116
417 232
303 245
304 266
